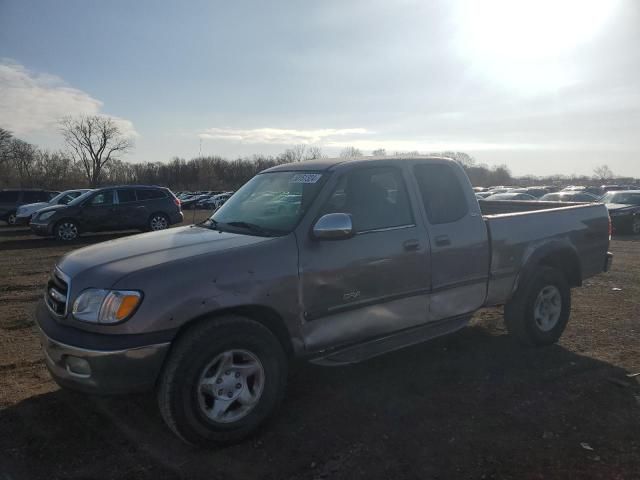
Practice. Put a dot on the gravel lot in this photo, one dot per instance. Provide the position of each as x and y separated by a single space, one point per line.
472 405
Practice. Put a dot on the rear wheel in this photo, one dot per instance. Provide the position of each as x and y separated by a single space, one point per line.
158 221
222 380
11 219
66 230
539 311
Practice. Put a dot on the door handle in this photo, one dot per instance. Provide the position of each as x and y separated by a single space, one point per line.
411 245
443 240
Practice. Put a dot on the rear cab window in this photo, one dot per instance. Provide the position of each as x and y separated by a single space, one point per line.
442 193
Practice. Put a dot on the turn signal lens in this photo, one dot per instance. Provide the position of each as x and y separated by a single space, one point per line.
127 306
119 305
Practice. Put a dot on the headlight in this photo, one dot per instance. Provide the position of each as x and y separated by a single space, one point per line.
45 215
97 305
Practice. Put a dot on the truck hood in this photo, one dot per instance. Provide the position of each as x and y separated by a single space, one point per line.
107 262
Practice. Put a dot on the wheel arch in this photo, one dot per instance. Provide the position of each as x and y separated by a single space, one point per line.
261 314
562 257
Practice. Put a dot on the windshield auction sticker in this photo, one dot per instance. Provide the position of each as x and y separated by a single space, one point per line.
305 178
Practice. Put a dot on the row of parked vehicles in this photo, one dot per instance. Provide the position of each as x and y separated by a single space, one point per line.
622 201
207 200
66 214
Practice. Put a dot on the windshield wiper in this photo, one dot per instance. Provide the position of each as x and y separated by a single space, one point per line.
252 227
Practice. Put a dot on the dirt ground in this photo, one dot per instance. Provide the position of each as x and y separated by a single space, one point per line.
473 405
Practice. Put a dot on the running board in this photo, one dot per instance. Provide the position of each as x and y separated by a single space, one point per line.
373 348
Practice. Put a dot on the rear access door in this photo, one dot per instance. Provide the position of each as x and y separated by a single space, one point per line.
459 241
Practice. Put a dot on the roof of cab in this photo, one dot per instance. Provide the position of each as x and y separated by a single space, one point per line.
329 163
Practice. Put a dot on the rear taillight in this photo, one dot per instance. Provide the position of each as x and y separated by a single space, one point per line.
610 229
177 201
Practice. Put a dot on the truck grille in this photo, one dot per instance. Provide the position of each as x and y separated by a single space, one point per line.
57 294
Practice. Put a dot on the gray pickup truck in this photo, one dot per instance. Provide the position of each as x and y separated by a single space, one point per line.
332 261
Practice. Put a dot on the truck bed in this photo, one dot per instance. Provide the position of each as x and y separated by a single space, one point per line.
521 231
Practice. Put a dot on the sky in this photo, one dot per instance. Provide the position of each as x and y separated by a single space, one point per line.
543 86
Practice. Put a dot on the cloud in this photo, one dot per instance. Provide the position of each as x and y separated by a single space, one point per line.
281 136
32 103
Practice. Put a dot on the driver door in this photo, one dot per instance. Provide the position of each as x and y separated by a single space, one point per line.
99 212
375 282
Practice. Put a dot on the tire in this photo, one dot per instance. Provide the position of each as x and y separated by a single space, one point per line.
634 229
11 219
158 221
66 230
533 315
193 384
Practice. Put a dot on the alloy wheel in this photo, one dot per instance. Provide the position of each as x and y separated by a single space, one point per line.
230 386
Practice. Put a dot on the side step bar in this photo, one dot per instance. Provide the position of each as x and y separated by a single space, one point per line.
378 346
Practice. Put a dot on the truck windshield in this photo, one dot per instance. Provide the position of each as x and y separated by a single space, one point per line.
270 204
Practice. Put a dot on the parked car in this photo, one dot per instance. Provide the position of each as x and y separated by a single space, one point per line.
379 254
511 196
536 192
24 212
481 195
112 208
624 209
11 199
220 199
569 196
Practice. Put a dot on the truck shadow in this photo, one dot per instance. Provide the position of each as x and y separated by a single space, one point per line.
471 404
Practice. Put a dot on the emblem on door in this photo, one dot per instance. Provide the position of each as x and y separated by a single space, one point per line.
347 297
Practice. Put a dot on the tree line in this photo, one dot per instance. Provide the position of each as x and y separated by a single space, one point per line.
95 146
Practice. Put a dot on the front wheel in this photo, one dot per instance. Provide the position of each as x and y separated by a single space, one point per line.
635 225
539 311
223 378
66 230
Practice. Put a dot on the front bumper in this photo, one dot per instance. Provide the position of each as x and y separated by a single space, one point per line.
23 220
94 370
40 229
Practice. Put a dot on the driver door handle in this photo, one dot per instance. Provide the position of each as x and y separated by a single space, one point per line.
411 245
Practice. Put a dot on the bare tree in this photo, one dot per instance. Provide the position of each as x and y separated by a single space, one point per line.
462 158
603 172
379 152
5 139
350 152
293 154
93 142
314 153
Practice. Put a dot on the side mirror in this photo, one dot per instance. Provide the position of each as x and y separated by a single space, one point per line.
333 226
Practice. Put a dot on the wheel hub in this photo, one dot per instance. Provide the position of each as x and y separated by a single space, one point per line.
548 307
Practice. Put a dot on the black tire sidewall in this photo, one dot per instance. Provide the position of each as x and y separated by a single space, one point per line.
191 423
520 313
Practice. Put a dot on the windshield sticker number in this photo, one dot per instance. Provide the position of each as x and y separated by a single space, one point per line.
305 178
